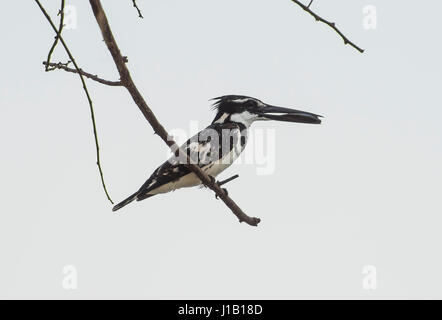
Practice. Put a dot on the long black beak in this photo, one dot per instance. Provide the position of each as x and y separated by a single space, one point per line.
289 115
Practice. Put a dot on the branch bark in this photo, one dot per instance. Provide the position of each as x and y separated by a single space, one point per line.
220 183
64 66
128 83
330 24
86 91
57 36
134 2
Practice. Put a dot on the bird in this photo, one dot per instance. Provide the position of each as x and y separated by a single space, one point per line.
216 147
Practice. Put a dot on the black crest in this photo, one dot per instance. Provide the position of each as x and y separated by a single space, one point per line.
231 104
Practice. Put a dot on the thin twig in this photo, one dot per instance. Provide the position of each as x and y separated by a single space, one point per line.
138 9
63 66
125 77
330 24
71 57
60 28
220 183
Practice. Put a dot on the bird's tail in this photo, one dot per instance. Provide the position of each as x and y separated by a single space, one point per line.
125 201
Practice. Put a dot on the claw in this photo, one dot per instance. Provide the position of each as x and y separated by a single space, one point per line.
212 178
225 191
220 183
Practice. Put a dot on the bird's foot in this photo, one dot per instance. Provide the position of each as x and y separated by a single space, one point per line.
212 179
220 183
225 191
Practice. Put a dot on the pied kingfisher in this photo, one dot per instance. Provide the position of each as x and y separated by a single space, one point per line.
215 148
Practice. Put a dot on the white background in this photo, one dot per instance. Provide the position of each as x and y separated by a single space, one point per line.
361 189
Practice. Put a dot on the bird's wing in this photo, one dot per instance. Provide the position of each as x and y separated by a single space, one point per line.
165 173
206 147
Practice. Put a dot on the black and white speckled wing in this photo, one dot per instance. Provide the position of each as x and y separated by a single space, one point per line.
205 149
212 149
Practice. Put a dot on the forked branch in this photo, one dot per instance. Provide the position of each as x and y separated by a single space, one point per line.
57 36
330 24
64 66
127 82
86 91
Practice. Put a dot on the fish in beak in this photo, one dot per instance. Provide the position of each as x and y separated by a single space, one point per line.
288 115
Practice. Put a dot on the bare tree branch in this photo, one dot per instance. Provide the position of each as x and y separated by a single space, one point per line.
71 57
64 66
138 9
220 183
60 28
330 24
150 117
126 81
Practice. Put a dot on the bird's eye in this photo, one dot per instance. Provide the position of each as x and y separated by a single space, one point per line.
250 104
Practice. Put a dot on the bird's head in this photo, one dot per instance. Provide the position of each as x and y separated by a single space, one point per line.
246 110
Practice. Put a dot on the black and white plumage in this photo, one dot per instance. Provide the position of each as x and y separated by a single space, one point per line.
216 147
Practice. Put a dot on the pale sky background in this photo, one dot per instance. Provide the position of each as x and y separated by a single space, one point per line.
363 188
